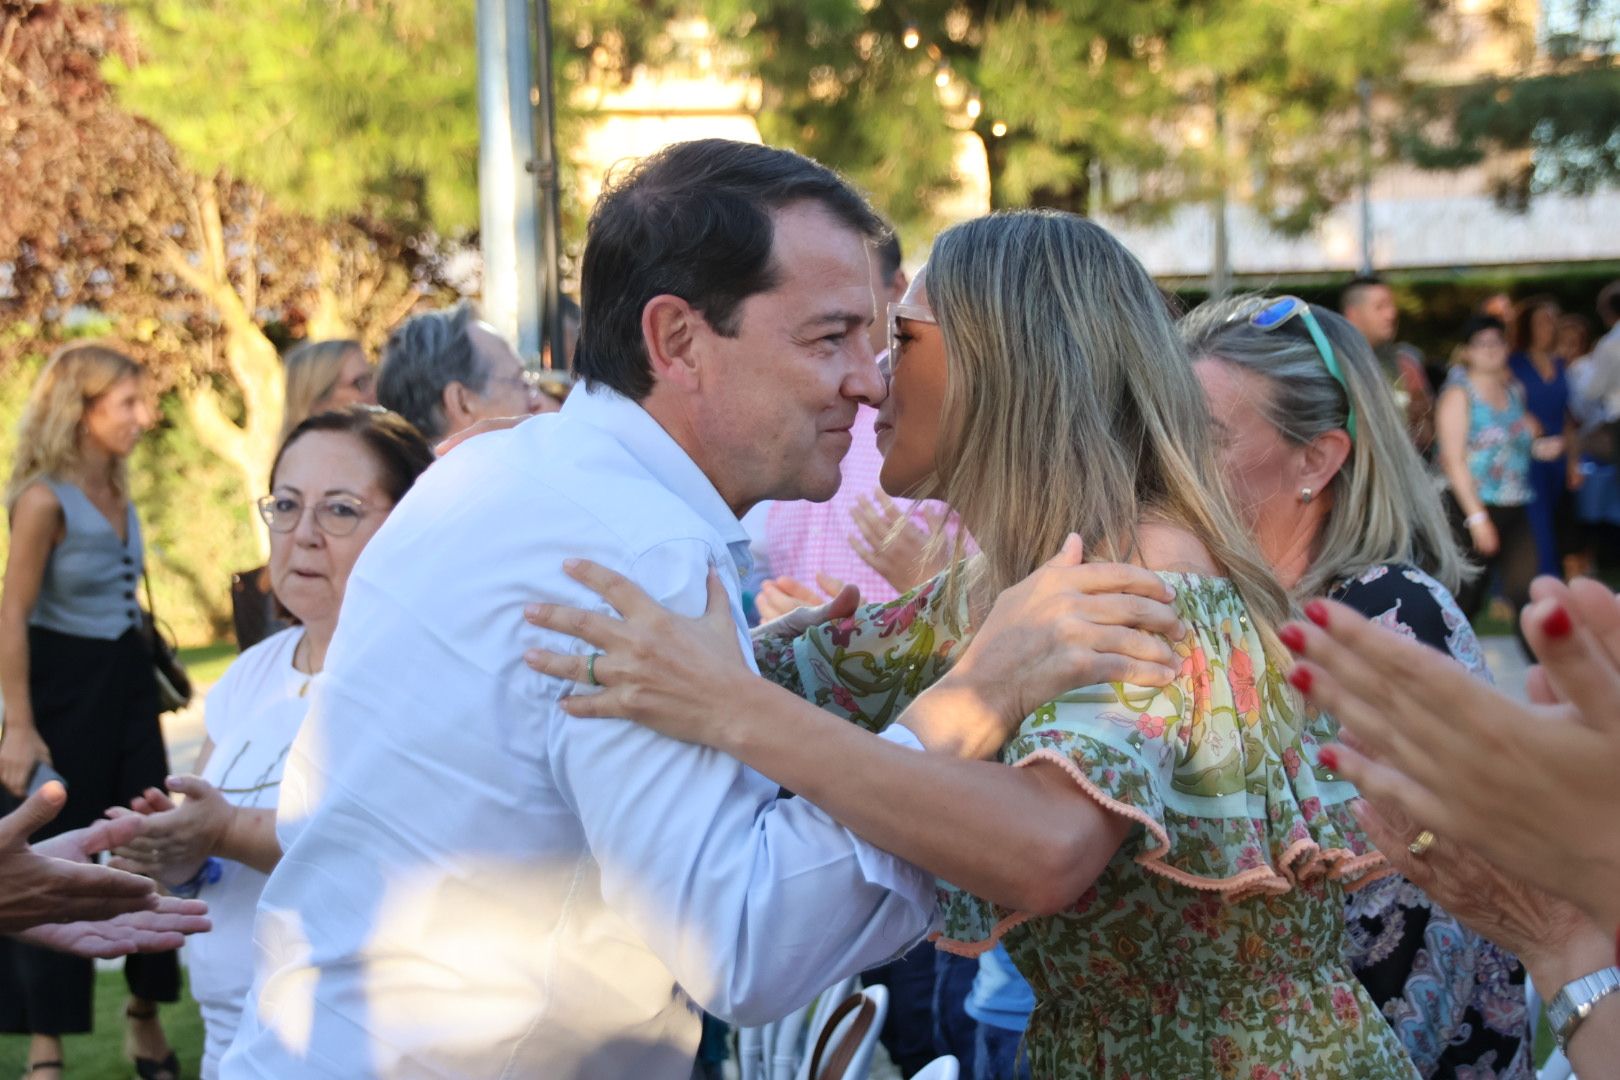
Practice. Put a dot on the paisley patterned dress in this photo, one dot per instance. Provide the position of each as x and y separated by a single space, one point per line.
1455 1000
1213 945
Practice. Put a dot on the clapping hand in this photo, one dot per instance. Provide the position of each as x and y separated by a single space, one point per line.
174 838
1529 786
55 881
892 543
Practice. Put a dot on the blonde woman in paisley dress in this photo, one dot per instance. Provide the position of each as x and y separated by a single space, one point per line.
1167 865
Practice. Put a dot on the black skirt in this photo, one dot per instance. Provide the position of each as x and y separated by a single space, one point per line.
96 706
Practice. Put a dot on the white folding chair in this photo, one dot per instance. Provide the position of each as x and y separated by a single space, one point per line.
776 1051
943 1068
751 1053
847 1035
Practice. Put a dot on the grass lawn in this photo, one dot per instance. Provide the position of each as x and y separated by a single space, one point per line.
100 1055
206 663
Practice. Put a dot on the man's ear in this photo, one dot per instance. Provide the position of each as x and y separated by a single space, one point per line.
457 402
670 330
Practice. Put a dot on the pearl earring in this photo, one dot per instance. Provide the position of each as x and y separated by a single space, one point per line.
1306 495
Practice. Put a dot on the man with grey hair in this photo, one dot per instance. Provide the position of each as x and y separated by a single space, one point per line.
446 370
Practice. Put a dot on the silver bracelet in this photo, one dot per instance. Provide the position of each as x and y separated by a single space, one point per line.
1478 517
1575 1001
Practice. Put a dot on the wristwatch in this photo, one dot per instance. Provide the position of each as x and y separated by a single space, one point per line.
1574 1002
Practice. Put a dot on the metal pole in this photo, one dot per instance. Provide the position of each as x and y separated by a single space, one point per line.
548 220
506 195
1220 276
1364 89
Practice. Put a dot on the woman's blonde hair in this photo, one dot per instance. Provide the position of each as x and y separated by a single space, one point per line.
313 369
48 434
1070 406
1386 508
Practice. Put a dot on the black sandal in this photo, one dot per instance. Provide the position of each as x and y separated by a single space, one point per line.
151 1068
167 1069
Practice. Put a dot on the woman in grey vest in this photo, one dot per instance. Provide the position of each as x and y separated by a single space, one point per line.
76 673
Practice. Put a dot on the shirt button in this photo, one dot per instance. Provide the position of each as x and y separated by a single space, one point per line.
129 595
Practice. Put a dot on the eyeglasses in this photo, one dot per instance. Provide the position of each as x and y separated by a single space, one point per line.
336 516
898 311
529 382
1277 312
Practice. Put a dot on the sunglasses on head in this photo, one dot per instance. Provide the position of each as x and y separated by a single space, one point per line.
1274 313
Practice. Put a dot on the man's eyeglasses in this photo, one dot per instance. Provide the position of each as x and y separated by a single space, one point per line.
1275 313
898 311
530 382
336 516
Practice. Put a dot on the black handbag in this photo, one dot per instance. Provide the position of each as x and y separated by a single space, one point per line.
173 684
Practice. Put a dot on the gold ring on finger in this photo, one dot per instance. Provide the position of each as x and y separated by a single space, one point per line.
1420 847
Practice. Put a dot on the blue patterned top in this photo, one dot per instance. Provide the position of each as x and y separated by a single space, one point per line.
1499 443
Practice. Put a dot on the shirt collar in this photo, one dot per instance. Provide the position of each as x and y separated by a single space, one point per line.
635 429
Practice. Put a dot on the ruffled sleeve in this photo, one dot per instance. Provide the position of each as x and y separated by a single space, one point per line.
1218 770
869 667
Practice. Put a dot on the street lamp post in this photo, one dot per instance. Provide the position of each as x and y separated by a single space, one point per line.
517 177
549 220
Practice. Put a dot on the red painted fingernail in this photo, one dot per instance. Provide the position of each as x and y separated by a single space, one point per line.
1293 637
1301 680
1329 758
1557 624
1317 612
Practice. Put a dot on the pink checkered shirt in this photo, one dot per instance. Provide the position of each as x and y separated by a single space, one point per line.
803 539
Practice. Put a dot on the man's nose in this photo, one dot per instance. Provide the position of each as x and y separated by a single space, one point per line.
868 381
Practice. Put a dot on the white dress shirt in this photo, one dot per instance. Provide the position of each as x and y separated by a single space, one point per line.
477 885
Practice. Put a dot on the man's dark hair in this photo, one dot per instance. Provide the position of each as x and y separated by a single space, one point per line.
1478 324
1350 296
1608 304
423 355
889 257
693 221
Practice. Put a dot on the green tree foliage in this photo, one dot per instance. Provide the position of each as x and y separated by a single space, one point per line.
334 108
1551 127
1088 91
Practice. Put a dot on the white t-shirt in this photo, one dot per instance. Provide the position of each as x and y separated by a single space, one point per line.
252 714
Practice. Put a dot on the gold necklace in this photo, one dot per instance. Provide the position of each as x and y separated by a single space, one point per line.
309 677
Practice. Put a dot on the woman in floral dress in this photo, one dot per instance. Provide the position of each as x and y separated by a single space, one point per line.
1166 864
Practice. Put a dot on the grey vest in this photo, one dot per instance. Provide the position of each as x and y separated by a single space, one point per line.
90 579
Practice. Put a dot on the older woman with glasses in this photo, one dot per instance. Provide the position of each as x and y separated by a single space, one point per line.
333 484
1317 457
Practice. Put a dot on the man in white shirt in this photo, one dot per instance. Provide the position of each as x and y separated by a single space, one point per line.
475 884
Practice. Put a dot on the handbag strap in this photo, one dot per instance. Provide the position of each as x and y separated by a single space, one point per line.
146 577
844 1053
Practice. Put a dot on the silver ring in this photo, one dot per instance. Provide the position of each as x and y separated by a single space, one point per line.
590 669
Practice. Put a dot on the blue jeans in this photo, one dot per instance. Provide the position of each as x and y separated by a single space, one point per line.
908 1030
955 1031
999 1055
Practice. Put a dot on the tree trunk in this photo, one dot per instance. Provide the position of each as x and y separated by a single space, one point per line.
250 357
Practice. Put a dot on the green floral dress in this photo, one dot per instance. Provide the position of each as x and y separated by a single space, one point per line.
1213 944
